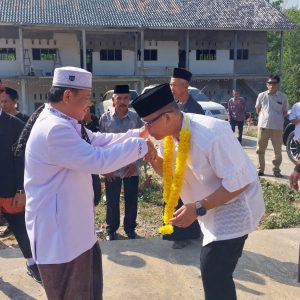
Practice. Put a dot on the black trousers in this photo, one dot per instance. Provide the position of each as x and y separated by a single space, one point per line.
240 126
217 263
17 225
113 190
97 189
183 234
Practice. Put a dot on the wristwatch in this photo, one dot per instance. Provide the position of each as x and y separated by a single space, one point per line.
200 210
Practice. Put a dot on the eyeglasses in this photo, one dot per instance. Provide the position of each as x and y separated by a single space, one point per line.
272 82
150 123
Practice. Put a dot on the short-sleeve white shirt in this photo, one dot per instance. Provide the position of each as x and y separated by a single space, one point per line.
272 108
217 159
295 114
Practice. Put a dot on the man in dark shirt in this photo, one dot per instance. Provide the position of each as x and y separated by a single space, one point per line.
179 84
91 122
12 196
8 103
236 111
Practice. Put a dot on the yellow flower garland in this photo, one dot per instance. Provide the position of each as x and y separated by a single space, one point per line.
173 183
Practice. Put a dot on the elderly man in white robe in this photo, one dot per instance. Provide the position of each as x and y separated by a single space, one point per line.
60 158
220 186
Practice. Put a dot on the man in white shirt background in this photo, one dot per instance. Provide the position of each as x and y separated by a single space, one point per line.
294 117
59 160
271 107
220 186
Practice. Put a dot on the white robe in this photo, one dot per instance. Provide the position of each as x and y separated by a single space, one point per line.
58 183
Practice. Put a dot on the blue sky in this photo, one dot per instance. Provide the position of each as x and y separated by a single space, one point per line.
291 3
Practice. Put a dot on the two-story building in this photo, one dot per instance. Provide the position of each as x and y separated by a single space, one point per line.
222 42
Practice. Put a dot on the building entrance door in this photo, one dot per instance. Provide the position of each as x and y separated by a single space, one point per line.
182 60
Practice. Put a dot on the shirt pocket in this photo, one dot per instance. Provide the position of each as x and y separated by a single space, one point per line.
278 106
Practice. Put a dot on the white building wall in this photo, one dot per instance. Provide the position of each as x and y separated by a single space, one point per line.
222 64
123 67
69 48
167 58
10 68
67 44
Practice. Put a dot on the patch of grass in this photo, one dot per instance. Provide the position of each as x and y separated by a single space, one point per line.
251 131
282 206
152 193
150 209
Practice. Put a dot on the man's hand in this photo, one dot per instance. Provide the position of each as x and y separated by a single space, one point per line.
294 180
144 133
131 169
19 200
184 216
152 153
109 177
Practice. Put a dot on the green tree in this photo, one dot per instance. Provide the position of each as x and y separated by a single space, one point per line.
276 3
291 56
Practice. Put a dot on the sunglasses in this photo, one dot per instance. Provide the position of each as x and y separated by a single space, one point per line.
272 82
150 123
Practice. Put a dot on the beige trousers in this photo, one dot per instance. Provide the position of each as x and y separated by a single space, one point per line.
263 137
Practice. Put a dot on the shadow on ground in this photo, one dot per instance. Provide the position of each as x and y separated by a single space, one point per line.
250 268
123 253
13 292
253 267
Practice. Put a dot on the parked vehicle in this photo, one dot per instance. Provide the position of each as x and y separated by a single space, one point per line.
106 102
211 108
292 146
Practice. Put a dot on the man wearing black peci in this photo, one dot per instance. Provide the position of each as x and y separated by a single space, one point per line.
179 84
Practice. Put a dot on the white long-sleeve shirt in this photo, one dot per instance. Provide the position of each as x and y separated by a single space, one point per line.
58 184
217 159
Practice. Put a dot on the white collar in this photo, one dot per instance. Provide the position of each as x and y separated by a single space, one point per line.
59 114
276 94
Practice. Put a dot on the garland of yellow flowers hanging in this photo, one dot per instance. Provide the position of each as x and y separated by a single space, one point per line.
173 182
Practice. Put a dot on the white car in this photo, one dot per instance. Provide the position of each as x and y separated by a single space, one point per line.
106 102
211 108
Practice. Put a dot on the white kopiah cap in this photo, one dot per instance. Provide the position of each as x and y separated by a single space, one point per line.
72 77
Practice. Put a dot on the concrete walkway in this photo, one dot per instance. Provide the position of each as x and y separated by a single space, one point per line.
149 269
249 145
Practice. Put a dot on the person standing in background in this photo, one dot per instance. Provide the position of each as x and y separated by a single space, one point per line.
91 122
236 111
120 119
179 84
8 103
272 107
12 195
